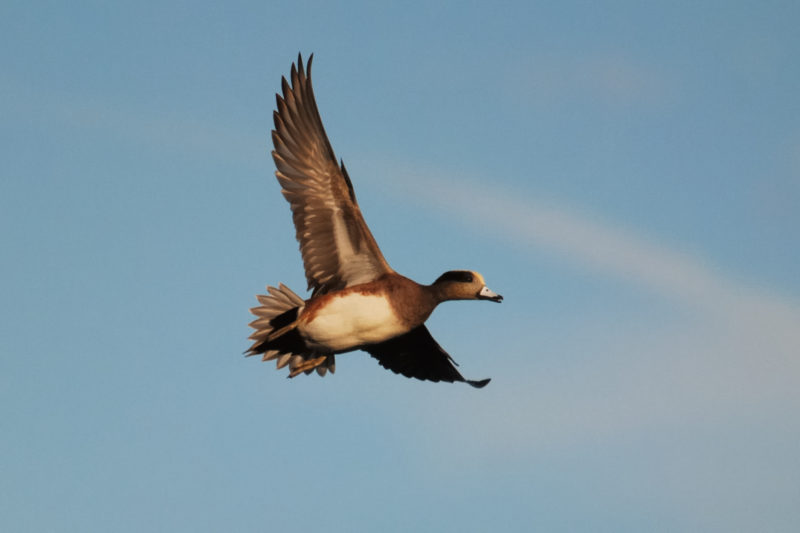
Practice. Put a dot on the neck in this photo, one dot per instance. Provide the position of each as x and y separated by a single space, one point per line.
439 293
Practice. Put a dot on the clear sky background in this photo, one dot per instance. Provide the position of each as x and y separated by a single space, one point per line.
626 174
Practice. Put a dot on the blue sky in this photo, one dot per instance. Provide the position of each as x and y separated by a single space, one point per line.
627 175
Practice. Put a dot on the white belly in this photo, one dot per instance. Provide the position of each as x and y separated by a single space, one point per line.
349 321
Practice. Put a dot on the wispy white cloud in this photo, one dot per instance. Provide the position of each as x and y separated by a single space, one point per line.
611 78
738 356
116 119
603 247
694 399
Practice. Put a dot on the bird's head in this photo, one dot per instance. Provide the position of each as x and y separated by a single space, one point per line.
464 285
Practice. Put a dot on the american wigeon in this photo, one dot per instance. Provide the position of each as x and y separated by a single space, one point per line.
357 300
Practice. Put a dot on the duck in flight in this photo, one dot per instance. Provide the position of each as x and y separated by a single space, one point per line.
357 301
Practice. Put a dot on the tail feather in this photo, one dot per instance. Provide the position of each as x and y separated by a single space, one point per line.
282 359
277 338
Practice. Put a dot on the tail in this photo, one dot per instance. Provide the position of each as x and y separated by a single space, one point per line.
276 334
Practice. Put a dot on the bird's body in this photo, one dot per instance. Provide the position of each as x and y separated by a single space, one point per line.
350 318
357 301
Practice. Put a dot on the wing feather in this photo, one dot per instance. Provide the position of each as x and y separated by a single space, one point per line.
417 355
338 248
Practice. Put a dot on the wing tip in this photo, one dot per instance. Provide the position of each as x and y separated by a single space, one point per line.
478 384
307 70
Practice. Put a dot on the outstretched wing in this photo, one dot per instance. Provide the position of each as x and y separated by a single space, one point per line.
417 355
337 247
